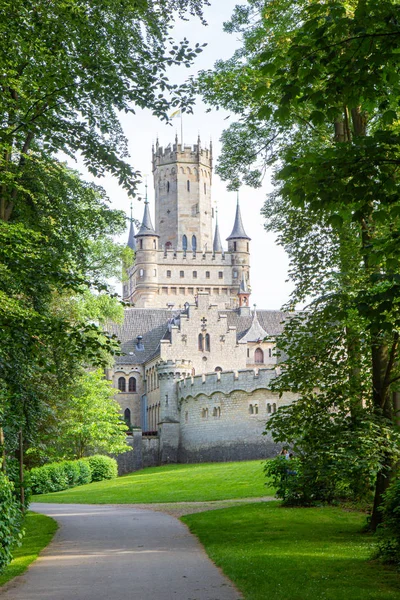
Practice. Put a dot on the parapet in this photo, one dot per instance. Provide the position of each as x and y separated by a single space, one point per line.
178 153
247 380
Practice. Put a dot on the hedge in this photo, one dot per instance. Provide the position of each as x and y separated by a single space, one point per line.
55 477
10 520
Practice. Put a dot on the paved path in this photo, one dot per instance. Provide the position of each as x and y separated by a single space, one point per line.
119 553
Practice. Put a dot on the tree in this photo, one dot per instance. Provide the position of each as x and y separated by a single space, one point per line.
68 69
316 85
91 421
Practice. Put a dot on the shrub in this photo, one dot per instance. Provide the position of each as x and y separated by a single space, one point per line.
85 472
102 467
389 531
10 521
55 477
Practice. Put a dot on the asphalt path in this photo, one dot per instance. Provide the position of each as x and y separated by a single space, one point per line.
103 552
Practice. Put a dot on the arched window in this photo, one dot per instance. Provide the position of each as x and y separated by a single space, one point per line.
168 245
127 416
184 243
122 384
201 342
256 409
155 244
194 243
218 369
167 186
258 356
274 408
268 409
188 185
132 384
251 411
207 342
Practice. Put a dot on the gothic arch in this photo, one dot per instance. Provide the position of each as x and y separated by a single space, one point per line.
258 356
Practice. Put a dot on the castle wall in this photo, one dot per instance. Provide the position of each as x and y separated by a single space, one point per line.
223 416
130 400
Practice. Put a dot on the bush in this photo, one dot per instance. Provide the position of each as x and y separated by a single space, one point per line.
102 467
302 482
55 477
10 521
389 531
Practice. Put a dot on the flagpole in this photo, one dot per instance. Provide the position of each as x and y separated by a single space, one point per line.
181 129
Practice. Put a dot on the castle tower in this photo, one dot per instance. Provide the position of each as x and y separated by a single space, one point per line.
145 273
239 247
182 184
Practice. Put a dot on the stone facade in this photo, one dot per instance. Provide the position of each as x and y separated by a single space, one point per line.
197 364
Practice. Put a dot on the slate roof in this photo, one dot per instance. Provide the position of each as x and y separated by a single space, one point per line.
256 332
131 238
150 323
146 227
238 229
217 246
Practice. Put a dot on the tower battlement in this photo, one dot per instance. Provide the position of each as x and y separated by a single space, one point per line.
181 153
225 382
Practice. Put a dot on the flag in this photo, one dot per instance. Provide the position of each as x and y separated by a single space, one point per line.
176 113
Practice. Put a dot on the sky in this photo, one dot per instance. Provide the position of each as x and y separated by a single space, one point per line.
268 275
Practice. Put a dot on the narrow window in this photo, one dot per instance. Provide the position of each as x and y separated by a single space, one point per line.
248 352
247 246
268 409
168 273
155 244
132 384
141 244
220 274
234 246
258 356
251 411
208 342
194 243
167 186
235 274
122 384
205 188
200 342
188 185
274 408
184 243
270 353
155 272
141 273
207 274
127 417
256 409
181 273
194 274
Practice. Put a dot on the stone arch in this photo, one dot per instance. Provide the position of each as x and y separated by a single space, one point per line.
122 384
127 417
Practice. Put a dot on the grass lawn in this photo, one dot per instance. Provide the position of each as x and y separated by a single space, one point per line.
39 532
172 483
277 553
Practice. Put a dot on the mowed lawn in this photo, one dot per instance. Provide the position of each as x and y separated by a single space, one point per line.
275 553
39 531
172 483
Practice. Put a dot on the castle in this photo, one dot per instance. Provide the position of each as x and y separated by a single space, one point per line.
197 363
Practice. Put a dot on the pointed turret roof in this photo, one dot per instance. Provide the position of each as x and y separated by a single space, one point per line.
146 227
256 333
238 229
131 237
217 246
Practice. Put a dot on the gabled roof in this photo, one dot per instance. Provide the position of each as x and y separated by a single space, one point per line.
256 332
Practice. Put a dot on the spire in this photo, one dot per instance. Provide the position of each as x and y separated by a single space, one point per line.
131 237
238 229
146 227
217 246
256 333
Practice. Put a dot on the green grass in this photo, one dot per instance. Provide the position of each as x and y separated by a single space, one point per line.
172 483
278 553
39 532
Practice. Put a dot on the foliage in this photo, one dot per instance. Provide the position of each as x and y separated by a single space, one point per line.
173 483
39 531
102 467
281 553
316 88
10 521
91 420
389 531
54 477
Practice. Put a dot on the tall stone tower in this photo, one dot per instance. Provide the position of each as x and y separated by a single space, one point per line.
180 258
182 184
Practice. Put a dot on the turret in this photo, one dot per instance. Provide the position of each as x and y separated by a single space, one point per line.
238 245
244 293
146 263
217 246
131 237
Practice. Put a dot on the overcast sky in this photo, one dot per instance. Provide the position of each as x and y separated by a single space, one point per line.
268 261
